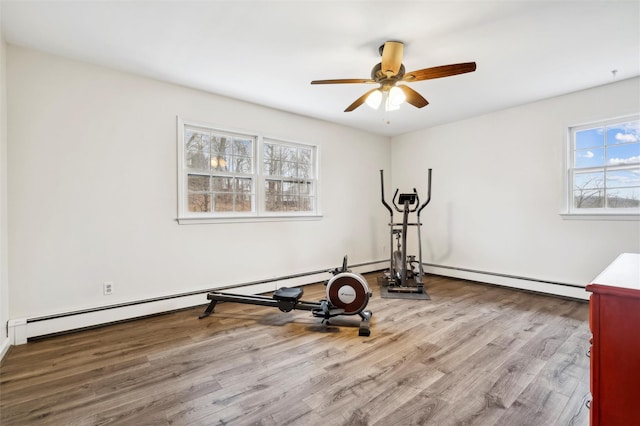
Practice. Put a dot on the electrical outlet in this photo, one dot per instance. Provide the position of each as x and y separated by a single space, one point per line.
107 288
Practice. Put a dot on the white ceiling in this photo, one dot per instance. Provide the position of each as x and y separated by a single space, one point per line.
267 52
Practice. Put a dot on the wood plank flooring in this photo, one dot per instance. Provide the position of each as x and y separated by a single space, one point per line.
473 355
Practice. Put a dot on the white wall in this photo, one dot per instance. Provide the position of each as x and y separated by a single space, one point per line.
4 284
92 191
498 190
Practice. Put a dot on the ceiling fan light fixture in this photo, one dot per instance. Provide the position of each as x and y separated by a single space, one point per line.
396 96
374 99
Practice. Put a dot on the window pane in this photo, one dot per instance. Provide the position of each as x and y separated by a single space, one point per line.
623 198
589 158
243 186
306 204
290 203
623 154
588 198
273 167
273 187
304 188
198 183
243 156
273 203
273 191
196 140
289 169
304 156
588 180
267 153
305 170
623 178
628 132
199 202
220 163
243 147
289 188
222 184
223 202
221 145
289 153
271 152
588 190
242 203
197 150
589 138
241 165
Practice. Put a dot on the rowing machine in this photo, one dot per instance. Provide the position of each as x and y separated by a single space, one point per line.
347 293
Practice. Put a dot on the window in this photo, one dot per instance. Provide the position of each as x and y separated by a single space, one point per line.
288 177
604 168
235 175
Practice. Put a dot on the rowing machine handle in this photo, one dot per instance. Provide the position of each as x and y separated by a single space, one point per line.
428 193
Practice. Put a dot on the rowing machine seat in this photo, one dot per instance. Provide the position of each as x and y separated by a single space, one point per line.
288 294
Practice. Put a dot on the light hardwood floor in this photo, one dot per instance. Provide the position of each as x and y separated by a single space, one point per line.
473 355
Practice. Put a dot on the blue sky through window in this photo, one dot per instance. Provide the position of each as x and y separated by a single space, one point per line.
614 145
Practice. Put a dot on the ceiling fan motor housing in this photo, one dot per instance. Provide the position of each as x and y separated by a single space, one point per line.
379 77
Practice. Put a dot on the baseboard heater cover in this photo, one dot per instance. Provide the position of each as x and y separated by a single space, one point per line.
24 329
572 291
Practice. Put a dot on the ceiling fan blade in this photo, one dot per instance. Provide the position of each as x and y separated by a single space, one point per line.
413 97
438 72
392 58
359 101
343 81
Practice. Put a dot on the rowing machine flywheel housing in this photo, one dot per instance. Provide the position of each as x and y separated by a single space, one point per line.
348 291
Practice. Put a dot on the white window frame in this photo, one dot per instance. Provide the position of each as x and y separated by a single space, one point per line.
604 213
259 212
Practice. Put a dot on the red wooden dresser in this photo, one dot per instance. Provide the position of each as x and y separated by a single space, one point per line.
614 319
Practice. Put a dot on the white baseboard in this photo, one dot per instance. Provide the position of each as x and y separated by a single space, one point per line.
522 283
22 329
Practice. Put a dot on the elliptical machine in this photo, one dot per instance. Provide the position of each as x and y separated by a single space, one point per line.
405 272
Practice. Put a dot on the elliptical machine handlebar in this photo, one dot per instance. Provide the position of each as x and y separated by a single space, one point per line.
393 200
428 193
384 203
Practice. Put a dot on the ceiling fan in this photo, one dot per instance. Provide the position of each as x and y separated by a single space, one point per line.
390 72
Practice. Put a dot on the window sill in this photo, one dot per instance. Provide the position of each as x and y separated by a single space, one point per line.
601 216
246 219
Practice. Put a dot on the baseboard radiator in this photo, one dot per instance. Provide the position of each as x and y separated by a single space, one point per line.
571 291
22 330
